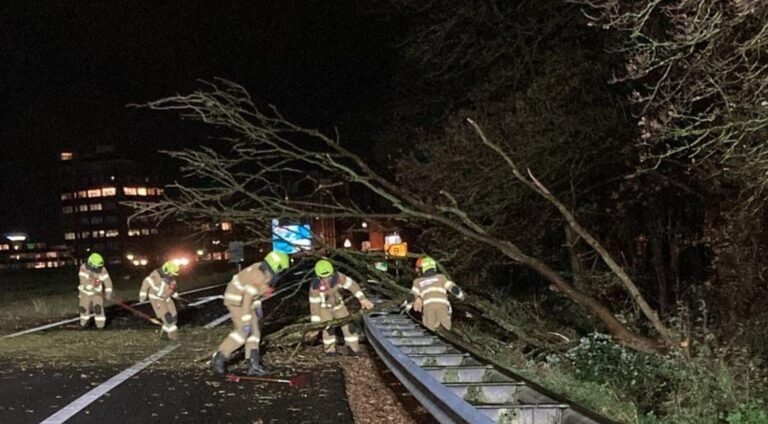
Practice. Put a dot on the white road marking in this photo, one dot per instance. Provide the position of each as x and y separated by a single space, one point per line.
67 321
206 300
83 401
217 321
42 327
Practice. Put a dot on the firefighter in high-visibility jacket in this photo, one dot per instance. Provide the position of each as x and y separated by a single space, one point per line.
326 303
431 291
243 297
160 288
95 286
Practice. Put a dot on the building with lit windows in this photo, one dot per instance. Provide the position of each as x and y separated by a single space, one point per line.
16 252
94 187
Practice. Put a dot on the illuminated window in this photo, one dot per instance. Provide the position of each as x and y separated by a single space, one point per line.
66 209
112 233
153 231
216 256
108 191
66 196
82 208
129 191
145 231
226 226
159 191
85 234
141 191
95 206
51 254
99 233
133 232
4 247
69 236
66 156
94 192
82 194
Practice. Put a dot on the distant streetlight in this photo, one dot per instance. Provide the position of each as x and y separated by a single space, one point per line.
200 252
365 224
129 256
347 243
16 236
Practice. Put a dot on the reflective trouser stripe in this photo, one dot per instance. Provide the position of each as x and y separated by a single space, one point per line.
329 340
237 337
315 318
436 300
351 339
233 297
337 307
100 318
253 339
246 317
170 328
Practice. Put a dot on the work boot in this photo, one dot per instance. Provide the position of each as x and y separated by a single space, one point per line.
255 367
219 364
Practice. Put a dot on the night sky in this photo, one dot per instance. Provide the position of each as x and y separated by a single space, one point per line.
68 70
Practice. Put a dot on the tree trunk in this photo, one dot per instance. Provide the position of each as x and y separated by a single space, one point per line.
577 267
613 325
659 264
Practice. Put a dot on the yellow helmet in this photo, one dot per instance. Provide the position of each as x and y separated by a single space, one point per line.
95 260
171 268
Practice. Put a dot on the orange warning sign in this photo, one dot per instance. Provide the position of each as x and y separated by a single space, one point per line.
399 250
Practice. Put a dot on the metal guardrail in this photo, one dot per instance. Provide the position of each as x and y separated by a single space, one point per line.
457 388
445 406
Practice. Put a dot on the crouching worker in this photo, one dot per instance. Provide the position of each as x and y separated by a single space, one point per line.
431 291
160 288
243 297
326 303
95 286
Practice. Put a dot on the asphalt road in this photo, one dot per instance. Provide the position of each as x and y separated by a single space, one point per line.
163 396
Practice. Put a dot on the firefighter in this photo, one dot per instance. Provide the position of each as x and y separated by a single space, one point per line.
95 286
326 303
243 297
160 288
431 291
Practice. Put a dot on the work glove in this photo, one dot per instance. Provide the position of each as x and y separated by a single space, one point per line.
259 311
248 329
366 304
417 304
267 293
108 296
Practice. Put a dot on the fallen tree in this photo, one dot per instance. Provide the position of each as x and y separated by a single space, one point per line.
243 180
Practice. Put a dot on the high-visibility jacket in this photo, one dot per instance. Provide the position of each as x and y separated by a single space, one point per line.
434 288
158 286
94 281
247 286
324 296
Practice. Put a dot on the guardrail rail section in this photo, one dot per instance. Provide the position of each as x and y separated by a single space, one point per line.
457 388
